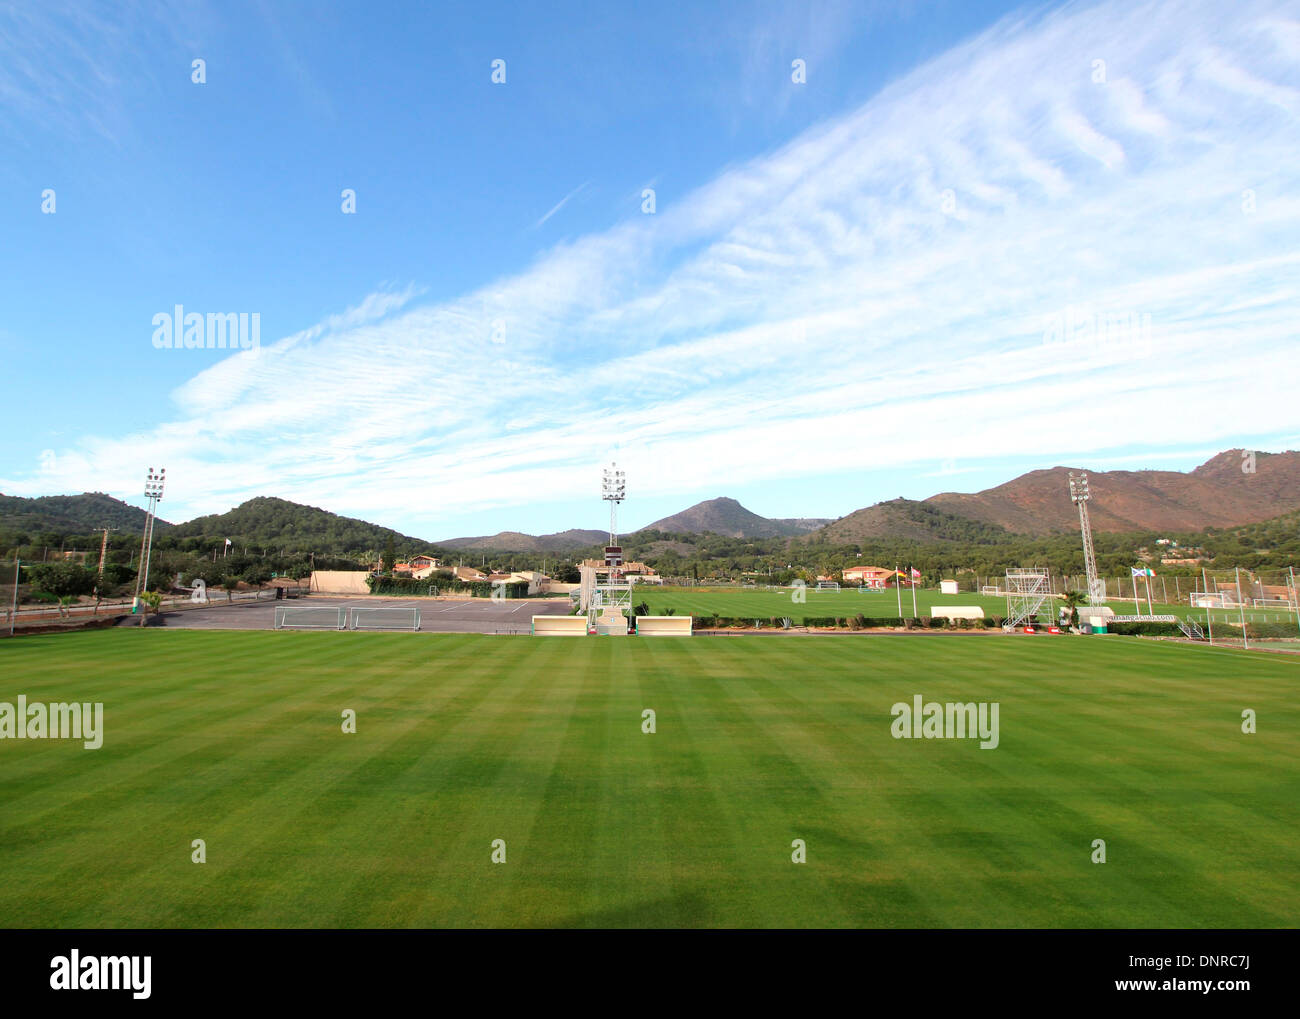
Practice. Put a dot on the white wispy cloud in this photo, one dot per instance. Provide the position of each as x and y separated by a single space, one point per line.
880 291
57 68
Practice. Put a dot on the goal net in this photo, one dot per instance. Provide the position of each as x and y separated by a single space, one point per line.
1213 600
366 618
827 585
314 617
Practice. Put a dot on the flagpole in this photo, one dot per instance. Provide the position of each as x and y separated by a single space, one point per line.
13 612
1295 601
1150 611
912 580
898 591
1137 605
1241 609
1209 608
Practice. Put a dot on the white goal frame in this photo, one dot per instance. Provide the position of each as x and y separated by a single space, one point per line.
828 585
385 617
294 617
1213 600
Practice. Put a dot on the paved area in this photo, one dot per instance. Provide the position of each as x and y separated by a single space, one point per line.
478 615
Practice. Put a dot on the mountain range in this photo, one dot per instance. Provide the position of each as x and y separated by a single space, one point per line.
728 517
515 541
1233 488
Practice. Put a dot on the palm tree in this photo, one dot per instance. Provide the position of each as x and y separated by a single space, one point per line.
1072 600
151 601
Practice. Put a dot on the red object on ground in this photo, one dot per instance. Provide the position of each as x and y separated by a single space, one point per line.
1053 629
1030 629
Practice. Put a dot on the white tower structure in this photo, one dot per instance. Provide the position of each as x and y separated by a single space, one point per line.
613 489
153 491
606 601
1079 495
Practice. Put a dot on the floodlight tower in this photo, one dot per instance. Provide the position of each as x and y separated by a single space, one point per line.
613 489
153 491
1079 495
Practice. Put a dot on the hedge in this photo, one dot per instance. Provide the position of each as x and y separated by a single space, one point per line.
858 622
407 587
1256 631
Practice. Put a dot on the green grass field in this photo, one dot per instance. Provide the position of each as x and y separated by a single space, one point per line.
234 738
763 604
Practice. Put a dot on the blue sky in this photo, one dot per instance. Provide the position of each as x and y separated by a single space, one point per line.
976 240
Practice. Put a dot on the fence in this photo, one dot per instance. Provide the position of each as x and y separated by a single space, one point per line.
49 610
1274 586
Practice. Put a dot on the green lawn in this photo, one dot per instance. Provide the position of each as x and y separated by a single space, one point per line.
763 604
234 737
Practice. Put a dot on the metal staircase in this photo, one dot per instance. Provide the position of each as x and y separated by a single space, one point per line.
1191 629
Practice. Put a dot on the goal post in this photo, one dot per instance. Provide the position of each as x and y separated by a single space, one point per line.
827 585
310 617
366 617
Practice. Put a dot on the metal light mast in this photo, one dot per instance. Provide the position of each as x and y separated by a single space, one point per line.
153 491
613 489
610 602
1079 495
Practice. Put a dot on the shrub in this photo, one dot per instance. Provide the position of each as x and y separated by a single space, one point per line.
1259 631
63 579
409 587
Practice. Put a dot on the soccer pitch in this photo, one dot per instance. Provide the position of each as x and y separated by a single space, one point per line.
235 738
760 603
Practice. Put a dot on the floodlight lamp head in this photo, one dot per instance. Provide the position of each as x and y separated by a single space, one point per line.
1079 488
613 484
153 485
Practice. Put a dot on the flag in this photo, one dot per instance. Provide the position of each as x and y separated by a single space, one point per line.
916 574
228 541
1142 571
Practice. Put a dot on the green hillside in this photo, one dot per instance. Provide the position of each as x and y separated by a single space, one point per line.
70 514
293 527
